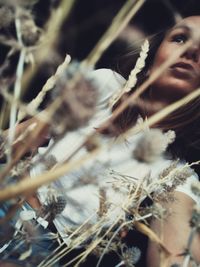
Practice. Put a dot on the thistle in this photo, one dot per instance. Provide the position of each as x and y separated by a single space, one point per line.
50 161
30 32
196 188
130 256
152 144
54 206
6 16
195 219
78 102
169 179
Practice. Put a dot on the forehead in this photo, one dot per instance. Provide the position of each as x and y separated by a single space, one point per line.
192 23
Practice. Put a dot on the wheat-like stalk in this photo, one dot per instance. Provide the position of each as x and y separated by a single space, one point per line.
50 83
140 63
132 79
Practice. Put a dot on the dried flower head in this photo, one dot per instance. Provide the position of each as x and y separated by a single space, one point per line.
55 205
92 144
30 32
167 170
50 161
78 104
131 256
152 144
169 179
177 177
196 188
195 219
7 16
21 168
23 3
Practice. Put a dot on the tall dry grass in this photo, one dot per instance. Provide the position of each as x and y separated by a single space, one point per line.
17 186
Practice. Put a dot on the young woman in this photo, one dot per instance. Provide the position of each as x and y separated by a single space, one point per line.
177 81
82 194
181 78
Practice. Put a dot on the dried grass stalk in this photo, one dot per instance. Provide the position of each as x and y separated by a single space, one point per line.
28 185
50 83
132 79
49 39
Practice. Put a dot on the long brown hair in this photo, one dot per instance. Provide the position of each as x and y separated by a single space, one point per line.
185 121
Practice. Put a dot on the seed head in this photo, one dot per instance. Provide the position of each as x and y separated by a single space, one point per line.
152 144
195 219
50 161
78 103
30 32
55 205
196 188
6 16
131 256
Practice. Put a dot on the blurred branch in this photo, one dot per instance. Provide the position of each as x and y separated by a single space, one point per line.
28 185
119 23
49 39
17 89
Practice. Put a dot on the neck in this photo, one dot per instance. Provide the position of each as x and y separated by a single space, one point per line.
150 107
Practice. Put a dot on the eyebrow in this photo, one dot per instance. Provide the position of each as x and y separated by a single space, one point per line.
185 27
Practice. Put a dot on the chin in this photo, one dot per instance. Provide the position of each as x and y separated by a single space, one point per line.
184 86
181 87
172 90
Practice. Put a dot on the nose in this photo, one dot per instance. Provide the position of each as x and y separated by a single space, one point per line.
193 52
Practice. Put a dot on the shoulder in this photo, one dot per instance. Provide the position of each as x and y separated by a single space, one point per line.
186 188
178 222
107 81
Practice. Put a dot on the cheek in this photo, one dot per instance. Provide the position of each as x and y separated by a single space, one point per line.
161 56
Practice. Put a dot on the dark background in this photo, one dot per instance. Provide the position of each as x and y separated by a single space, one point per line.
90 18
87 22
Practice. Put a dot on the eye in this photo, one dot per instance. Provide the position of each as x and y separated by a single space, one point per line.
180 38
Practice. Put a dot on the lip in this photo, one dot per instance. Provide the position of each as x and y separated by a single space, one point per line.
184 69
183 65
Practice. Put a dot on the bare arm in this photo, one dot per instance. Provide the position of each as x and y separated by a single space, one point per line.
174 232
20 130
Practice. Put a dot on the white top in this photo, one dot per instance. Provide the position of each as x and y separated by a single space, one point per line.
109 175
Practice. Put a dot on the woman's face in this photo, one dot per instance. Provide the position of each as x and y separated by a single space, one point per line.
183 76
